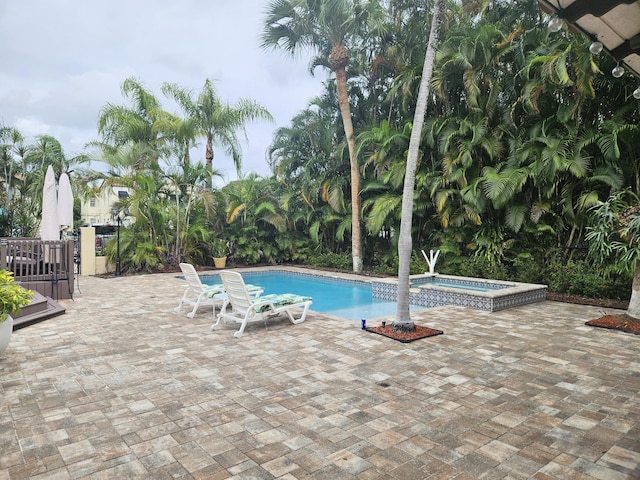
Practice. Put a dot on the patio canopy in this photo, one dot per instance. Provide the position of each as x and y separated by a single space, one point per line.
614 23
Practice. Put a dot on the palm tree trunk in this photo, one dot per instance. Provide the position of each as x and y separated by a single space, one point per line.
633 310
569 243
403 319
208 155
187 157
345 111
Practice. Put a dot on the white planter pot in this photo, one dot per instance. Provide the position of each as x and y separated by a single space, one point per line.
6 328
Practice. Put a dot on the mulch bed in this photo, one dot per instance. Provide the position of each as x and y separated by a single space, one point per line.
404 337
617 321
596 302
621 321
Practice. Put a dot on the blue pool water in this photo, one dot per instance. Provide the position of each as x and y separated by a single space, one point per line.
341 298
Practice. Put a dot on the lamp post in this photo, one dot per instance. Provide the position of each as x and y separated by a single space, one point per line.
116 215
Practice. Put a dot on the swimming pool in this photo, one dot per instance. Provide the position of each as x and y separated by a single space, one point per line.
352 300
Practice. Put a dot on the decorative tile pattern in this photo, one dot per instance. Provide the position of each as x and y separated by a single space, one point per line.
499 296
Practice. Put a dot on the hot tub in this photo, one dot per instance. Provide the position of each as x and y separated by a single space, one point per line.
435 290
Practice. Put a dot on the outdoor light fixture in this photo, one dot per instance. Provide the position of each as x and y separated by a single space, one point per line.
555 24
115 213
636 93
596 47
617 71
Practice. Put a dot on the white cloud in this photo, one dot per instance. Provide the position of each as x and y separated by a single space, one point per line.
63 60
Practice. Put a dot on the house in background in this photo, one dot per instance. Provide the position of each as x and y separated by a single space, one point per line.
97 209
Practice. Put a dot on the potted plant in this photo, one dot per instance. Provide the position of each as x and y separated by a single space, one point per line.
12 298
219 251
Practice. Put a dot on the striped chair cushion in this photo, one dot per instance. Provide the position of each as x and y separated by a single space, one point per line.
218 288
280 300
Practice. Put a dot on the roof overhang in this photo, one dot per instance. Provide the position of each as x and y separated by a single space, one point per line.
614 23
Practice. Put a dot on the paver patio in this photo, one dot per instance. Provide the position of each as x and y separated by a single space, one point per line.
121 387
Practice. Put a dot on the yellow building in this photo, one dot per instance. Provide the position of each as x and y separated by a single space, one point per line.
97 209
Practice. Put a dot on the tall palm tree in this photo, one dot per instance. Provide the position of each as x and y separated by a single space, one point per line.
119 124
218 122
181 135
46 151
330 27
402 320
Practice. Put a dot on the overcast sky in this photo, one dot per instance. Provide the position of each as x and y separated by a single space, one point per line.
61 61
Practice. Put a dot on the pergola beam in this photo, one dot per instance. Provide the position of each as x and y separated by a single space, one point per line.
580 8
615 23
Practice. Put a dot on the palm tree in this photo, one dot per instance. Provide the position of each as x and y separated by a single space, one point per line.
330 27
120 125
46 151
11 144
304 159
614 234
218 122
181 136
402 320
193 202
385 147
253 217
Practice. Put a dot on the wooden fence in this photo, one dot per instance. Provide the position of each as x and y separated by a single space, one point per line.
45 266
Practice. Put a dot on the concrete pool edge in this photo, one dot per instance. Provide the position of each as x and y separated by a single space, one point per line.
513 294
308 271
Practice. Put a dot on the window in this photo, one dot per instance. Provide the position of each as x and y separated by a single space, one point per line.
92 202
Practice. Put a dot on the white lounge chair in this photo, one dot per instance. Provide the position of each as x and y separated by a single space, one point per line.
196 293
246 309
199 295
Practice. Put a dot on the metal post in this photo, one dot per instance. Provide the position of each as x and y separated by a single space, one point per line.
118 272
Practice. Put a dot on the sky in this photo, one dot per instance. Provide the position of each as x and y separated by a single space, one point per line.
61 61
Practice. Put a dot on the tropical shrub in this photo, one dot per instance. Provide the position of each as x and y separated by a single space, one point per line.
472 266
340 261
581 279
528 269
12 296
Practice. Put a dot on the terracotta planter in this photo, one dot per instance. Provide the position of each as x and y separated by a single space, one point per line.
220 262
6 328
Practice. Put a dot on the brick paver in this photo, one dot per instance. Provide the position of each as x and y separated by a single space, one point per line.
121 387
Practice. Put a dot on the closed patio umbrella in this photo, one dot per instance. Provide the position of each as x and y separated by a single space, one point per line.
49 225
65 202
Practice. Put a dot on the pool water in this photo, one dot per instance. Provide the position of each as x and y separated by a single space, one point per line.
350 300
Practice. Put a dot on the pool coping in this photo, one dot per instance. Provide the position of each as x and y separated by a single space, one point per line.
352 277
